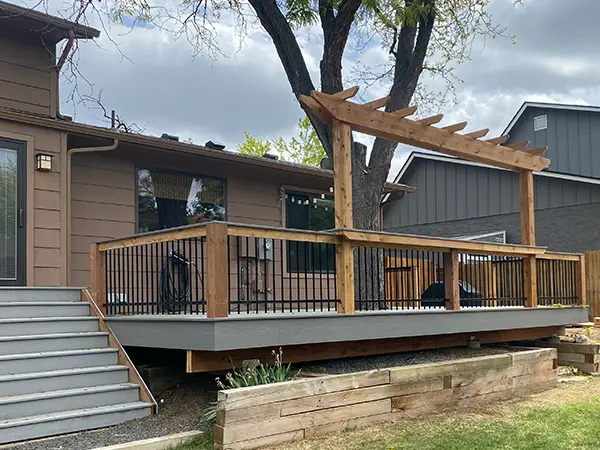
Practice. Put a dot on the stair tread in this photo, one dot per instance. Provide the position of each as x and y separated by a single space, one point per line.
56 353
61 372
74 413
46 319
25 337
65 393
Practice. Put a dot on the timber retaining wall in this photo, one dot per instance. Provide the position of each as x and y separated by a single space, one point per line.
258 416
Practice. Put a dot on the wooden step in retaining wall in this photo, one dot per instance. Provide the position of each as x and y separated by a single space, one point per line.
584 357
258 416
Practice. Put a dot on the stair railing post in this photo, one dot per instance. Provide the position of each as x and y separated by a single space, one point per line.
98 276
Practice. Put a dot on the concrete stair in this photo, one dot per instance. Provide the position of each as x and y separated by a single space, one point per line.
57 372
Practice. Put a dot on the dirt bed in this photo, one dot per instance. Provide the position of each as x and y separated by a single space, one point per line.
591 333
398 359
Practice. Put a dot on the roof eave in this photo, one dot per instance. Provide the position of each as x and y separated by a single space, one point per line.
164 144
80 31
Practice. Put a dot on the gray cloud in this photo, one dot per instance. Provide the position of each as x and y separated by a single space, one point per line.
556 58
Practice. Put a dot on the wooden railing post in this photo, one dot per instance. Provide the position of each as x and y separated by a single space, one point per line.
217 272
451 279
98 276
530 281
580 282
344 276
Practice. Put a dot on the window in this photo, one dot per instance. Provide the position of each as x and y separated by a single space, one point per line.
172 199
315 212
540 122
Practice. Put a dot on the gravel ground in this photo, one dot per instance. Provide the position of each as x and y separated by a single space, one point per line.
398 359
180 409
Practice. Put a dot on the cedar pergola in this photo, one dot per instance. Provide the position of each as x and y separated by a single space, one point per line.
345 116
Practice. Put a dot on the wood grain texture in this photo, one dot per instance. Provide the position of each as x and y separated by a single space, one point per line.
217 295
342 174
580 281
344 262
206 361
530 282
451 280
386 125
98 276
526 205
389 240
307 409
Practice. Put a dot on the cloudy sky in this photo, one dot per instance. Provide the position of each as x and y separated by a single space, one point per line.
161 86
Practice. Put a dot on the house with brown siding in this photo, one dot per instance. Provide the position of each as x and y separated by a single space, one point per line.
103 183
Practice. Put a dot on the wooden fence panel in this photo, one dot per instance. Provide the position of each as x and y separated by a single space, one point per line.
592 276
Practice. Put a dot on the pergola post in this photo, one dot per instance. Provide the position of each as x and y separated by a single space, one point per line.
527 210
342 197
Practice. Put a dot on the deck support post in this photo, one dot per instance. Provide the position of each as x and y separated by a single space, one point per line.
217 271
342 197
98 277
451 279
580 282
526 203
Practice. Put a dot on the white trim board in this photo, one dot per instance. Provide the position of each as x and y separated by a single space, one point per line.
526 105
463 162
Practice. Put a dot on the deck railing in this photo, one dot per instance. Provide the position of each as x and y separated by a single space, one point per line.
220 268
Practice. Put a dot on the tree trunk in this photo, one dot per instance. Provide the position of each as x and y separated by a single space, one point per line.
369 273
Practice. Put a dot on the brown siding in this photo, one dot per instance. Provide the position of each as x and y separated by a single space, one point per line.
46 210
27 81
102 207
104 195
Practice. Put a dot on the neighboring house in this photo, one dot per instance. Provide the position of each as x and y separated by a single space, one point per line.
457 198
120 183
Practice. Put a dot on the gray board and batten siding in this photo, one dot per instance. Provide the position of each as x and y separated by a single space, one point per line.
572 135
458 199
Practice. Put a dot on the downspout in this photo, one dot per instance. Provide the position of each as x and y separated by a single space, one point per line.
70 153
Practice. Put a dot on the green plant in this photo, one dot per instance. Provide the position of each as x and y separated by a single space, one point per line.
260 374
588 331
252 376
558 305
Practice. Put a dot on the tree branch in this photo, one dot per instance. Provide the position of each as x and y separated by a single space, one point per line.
335 36
409 65
275 23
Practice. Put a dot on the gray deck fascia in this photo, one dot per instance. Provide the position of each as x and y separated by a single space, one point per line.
191 332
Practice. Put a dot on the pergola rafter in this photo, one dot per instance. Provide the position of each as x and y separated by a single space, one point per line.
397 127
346 116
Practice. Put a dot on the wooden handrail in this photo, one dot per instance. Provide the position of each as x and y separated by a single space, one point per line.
560 256
282 233
155 237
133 375
390 240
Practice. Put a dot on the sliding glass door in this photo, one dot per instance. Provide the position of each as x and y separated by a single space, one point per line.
12 210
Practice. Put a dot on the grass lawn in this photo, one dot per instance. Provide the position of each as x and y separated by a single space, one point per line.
567 417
